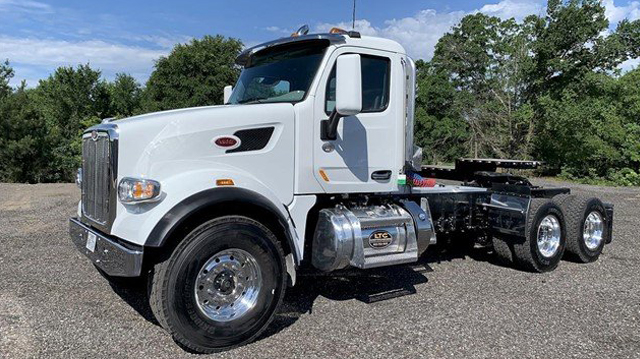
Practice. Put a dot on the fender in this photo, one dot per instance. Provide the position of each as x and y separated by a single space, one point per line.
210 197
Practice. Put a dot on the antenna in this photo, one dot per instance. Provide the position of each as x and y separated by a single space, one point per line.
353 22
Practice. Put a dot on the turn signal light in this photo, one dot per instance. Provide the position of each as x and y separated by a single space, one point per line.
136 190
324 175
225 182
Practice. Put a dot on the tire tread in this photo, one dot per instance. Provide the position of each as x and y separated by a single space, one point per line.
158 289
523 254
574 214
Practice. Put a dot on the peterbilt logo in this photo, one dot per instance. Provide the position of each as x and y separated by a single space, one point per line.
380 239
228 142
94 135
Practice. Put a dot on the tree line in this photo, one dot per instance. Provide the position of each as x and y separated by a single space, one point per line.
545 88
41 127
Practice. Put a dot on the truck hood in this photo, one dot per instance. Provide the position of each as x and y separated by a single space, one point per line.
157 145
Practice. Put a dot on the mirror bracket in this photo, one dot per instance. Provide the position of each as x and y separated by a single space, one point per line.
329 127
227 94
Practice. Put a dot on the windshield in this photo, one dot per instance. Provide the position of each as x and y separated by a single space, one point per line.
281 74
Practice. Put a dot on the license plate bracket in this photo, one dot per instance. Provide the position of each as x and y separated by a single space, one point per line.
91 241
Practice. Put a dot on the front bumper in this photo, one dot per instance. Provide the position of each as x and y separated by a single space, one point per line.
110 254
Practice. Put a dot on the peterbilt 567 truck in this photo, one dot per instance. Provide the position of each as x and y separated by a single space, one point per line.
308 165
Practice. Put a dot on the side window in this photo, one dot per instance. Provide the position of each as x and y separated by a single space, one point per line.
376 74
330 95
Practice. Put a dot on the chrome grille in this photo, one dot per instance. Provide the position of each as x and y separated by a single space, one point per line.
98 176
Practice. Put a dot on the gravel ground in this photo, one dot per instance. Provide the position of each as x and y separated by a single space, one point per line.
53 303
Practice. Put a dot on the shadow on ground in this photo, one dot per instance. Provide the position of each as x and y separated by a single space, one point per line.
367 286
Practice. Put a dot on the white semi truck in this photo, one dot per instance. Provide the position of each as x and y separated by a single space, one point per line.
309 164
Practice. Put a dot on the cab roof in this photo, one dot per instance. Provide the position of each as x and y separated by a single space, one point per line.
350 38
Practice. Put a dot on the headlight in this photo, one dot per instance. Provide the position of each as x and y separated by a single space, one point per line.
136 190
79 177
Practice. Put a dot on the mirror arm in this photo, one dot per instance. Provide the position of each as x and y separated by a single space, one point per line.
329 128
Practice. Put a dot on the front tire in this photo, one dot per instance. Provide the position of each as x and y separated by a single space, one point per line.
221 286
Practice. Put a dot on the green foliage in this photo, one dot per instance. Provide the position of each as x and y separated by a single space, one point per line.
125 93
194 74
6 73
625 177
546 88
40 129
23 154
68 101
437 128
485 61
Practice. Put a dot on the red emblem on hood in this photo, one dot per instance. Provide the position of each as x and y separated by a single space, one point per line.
227 141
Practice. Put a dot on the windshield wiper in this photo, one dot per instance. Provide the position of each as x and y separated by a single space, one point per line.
251 99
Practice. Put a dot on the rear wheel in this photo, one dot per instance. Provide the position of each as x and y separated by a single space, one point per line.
586 227
545 235
503 250
221 286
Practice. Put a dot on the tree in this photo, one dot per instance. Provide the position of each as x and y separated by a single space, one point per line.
6 74
547 87
438 129
578 120
69 101
125 93
486 61
23 151
193 74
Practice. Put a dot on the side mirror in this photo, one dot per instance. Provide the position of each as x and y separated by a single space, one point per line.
348 85
227 94
348 94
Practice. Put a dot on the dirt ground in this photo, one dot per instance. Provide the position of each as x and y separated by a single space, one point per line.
53 303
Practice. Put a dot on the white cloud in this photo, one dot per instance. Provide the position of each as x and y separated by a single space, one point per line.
49 54
630 65
164 42
420 33
25 6
507 9
277 29
615 14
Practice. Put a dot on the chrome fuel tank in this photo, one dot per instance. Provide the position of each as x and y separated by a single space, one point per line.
367 237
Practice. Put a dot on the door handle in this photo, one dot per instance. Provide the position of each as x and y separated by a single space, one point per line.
381 175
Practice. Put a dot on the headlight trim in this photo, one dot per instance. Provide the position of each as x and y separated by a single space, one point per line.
138 190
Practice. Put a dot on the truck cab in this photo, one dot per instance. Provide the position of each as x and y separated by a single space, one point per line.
309 163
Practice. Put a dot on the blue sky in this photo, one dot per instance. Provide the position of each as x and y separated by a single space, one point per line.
127 36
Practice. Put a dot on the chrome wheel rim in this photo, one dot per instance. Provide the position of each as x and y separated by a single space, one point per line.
228 285
549 234
593 229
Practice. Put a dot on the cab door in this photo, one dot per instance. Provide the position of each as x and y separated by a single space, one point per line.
367 153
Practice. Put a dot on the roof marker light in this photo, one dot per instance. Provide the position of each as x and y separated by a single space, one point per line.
339 31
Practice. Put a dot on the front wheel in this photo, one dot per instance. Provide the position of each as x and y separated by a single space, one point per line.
221 286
